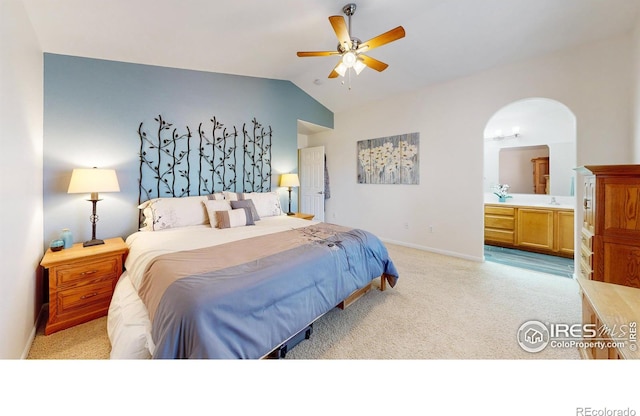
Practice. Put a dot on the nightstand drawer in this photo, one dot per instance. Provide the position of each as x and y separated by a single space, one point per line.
88 271
89 296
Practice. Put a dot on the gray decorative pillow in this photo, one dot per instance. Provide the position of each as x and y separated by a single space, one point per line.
234 218
247 203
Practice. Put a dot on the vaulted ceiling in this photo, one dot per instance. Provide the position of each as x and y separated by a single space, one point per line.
445 39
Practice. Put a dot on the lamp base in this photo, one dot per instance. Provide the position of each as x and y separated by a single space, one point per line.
94 242
291 213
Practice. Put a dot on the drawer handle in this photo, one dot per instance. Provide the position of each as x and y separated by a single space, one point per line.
89 272
90 295
587 203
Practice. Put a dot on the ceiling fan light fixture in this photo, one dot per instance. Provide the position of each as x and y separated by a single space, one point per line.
341 69
349 59
359 66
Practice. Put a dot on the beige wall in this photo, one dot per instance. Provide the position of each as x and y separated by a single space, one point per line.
593 81
21 115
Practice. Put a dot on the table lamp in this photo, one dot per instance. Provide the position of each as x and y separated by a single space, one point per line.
289 180
93 181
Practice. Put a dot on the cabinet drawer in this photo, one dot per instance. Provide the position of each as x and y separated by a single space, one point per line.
585 270
587 239
97 269
586 256
502 236
506 211
505 223
90 297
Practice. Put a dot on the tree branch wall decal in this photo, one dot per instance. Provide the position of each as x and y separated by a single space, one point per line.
166 160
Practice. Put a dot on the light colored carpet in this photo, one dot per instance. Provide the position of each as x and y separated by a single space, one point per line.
441 308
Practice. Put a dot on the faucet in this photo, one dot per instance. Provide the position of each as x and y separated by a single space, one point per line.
553 201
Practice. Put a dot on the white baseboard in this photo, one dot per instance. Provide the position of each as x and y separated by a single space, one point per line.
433 250
32 336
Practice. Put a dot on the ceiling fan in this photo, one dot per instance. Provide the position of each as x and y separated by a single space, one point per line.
352 49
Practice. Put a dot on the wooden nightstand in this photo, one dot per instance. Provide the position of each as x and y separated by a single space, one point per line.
303 216
81 282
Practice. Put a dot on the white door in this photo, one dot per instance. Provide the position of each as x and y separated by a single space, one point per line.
312 181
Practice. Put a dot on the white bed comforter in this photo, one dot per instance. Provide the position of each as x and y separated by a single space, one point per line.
128 324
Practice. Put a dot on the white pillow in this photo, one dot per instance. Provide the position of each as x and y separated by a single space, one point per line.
212 207
161 213
267 203
233 196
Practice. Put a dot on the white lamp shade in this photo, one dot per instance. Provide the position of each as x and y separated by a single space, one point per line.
93 181
341 69
359 66
289 179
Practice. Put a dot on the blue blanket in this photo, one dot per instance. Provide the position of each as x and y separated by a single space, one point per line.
248 309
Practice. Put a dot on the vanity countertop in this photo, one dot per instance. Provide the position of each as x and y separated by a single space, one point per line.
535 202
531 205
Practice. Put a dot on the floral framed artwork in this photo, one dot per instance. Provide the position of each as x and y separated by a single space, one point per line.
390 160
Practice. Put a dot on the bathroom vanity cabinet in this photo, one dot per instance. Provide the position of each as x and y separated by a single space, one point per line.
541 229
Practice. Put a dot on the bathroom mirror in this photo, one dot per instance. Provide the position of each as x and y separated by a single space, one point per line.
525 169
535 128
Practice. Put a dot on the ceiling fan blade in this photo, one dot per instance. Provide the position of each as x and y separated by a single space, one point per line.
318 53
383 39
340 27
373 63
334 73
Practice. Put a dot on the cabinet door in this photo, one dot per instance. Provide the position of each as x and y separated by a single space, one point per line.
621 263
618 204
564 232
535 228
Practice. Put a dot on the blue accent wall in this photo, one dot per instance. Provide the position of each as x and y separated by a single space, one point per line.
92 110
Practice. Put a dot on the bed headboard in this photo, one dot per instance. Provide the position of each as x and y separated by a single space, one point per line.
175 163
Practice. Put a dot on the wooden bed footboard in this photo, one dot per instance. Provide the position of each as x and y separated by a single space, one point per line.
358 293
354 296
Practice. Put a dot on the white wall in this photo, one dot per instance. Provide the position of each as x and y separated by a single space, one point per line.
21 118
593 81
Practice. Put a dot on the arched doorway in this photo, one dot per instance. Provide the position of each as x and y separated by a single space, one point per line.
530 145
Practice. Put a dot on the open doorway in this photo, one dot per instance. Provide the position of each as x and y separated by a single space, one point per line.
530 150
312 172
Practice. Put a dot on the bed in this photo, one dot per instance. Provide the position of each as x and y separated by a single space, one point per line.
228 275
225 274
